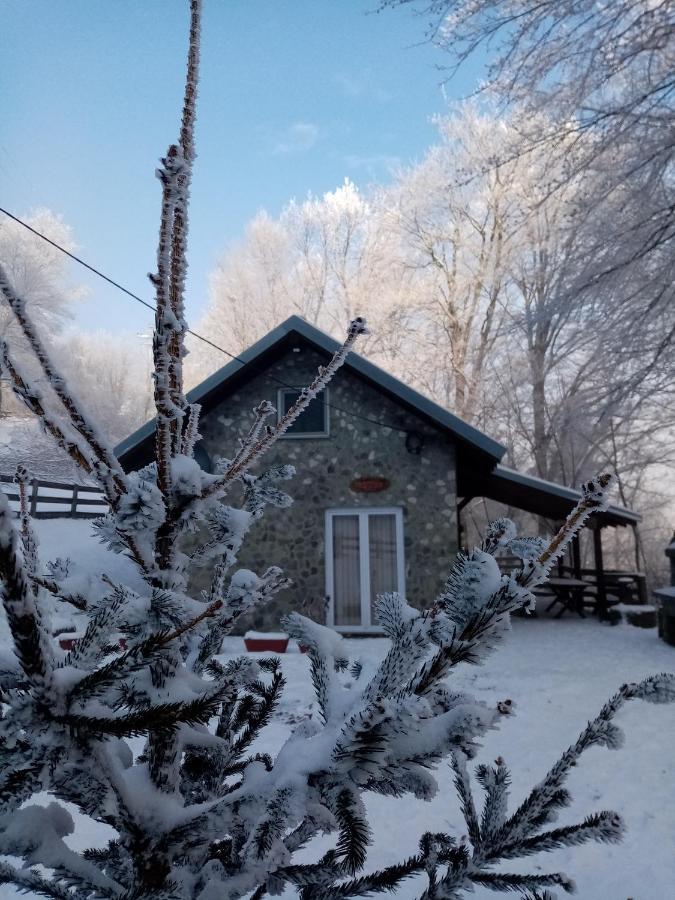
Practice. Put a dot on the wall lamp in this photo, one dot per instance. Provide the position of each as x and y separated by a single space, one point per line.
414 442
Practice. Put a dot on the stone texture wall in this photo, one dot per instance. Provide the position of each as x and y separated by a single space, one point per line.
424 486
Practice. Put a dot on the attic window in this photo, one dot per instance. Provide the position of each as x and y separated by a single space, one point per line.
313 422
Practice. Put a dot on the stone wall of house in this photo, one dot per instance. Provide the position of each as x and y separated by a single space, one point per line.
423 485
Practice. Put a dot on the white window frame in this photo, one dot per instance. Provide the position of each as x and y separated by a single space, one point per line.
363 513
304 434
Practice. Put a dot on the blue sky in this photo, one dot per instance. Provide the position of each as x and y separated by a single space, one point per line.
296 95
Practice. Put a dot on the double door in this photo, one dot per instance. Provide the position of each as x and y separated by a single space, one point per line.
364 558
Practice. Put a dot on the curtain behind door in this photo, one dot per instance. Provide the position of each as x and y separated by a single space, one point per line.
346 570
383 557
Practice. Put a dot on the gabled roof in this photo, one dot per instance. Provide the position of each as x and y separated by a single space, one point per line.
260 354
479 472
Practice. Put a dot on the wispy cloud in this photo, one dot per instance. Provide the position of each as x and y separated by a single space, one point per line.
361 84
373 165
297 138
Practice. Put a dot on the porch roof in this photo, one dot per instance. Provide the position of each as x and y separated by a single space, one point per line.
536 495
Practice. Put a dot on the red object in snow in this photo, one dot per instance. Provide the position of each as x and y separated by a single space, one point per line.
259 642
67 641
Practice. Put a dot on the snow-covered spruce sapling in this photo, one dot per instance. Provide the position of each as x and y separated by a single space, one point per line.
163 741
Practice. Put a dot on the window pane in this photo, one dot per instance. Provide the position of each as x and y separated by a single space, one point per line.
383 556
346 570
312 420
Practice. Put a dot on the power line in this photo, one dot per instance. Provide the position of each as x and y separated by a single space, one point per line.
200 337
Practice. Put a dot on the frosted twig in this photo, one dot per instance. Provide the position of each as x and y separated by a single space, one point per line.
28 539
165 323
170 283
179 229
98 444
594 499
263 411
191 434
234 470
32 399
76 600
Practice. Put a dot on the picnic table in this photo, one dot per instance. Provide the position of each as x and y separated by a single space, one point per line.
568 592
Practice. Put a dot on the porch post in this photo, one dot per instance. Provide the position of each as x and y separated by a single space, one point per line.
460 528
576 557
636 539
600 572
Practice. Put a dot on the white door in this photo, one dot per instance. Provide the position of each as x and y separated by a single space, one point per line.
364 558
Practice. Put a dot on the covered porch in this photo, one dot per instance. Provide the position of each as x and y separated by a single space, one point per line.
582 579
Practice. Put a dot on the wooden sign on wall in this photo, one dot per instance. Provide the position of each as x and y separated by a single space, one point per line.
369 484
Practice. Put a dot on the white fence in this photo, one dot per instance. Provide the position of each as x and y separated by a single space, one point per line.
54 499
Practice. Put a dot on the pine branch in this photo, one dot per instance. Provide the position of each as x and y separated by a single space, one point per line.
261 413
19 784
504 881
523 820
254 716
270 830
354 832
134 659
463 788
76 600
28 539
164 323
100 624
387 879
29 640
28 880
170 327
495 782
606 827
164 717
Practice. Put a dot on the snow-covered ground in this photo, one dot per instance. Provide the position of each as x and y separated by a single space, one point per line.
558 673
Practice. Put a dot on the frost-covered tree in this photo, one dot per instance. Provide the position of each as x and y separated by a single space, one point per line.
158 738
38 271
602 75
322 258
112 378
453 217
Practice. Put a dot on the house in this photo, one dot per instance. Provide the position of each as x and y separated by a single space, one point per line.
382 475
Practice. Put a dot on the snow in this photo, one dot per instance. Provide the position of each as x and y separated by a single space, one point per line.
75 538
624 608
558 674
266 635
22 440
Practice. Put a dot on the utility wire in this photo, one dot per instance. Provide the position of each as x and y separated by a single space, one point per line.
200 337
